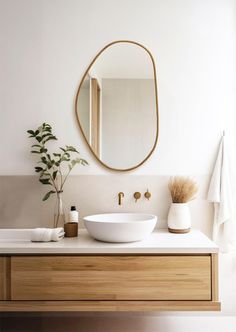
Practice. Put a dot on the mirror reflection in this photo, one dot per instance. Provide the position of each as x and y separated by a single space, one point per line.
116 105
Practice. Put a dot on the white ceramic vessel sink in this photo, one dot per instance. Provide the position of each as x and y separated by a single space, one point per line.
120 227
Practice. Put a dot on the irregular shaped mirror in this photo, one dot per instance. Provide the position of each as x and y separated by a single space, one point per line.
116 105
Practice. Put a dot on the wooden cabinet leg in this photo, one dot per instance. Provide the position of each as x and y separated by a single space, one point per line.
5 278
214 277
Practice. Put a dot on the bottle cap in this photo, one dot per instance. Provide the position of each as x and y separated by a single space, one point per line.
73 208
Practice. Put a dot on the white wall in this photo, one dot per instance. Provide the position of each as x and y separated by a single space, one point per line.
47 45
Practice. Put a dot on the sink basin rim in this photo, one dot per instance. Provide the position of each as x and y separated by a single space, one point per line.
134 218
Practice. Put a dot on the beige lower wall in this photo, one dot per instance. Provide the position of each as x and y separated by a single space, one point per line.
21 203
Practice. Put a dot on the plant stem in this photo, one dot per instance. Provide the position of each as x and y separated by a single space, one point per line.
60 177
58 209
66 177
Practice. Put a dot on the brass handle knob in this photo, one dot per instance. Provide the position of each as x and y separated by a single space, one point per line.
147 194
137 195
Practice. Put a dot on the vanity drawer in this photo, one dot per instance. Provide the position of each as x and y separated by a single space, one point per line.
111 277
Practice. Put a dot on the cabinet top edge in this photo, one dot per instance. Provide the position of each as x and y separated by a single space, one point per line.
17 241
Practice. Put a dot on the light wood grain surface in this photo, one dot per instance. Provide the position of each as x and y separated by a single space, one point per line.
111 278
214 271
5 287
130 306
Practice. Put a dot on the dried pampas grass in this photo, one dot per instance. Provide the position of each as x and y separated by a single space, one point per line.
182 189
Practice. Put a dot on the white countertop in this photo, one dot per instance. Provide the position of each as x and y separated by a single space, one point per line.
159 242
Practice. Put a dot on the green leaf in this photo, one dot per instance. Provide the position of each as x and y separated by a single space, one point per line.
44 160
48 195
74 162
81 161
45 181
54 175
35 152
38 138
46 135
63 149
84 162
65 159
38 169
44 173
31 132
50 138
46 125
43 150
71 148
57 154
36 145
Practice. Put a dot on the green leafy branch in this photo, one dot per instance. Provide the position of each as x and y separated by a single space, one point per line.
49 165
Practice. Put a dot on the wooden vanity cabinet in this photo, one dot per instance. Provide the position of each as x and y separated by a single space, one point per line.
109 283
4 278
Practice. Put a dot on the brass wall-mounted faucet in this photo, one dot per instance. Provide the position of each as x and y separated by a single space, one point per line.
120 196
137 196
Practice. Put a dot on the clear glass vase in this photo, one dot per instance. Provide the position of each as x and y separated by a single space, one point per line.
59 214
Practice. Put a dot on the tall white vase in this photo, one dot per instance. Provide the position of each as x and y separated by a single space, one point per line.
179 218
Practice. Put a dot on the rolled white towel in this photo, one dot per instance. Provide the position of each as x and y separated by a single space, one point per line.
57 234
47 234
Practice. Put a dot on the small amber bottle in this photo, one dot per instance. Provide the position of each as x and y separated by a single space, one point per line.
71 227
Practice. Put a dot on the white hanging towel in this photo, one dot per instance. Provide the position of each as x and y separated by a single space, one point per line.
220 193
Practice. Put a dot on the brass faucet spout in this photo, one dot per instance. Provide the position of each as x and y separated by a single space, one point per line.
120 196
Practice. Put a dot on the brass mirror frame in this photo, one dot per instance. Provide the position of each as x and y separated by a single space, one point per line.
156 102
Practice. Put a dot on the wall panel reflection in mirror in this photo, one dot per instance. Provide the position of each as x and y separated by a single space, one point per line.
116 105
